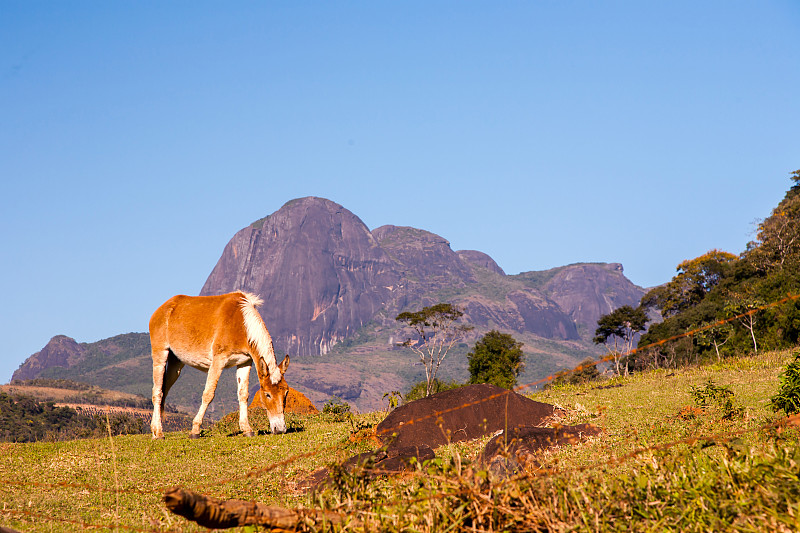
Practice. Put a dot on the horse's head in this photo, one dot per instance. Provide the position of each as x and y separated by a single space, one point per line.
274 395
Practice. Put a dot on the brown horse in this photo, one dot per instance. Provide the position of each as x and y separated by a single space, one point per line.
212 333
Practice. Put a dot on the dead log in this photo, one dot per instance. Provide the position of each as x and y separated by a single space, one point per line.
220 514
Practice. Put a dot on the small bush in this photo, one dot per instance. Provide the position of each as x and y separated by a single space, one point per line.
418 391
394 399
338 410
719 396
583 373
788 397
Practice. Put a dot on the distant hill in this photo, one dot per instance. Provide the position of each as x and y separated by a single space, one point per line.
63 391
332 288
121 363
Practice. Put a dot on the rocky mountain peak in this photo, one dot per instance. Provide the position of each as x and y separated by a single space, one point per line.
589 290
61 351
480 259
317 267
323 275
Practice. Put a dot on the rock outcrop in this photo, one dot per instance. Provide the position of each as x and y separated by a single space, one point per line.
588 291
61 351
324 275
320 271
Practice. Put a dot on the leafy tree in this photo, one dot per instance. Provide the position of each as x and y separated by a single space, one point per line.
437 331
695 278
620 328
718 286
715 335
496 359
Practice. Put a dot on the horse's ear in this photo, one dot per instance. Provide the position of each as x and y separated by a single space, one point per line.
284 364
263 369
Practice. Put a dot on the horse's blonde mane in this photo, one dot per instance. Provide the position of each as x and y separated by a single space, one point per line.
258 335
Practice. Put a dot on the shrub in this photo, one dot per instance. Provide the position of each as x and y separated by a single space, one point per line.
418 390
719 396
394 399
337 409
583 373
496 359
788 397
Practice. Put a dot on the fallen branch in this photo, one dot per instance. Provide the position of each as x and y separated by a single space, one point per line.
220 514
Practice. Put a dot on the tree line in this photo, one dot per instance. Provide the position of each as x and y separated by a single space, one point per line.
716 304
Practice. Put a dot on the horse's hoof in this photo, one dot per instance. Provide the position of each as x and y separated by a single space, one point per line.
194 435
158 437
249 434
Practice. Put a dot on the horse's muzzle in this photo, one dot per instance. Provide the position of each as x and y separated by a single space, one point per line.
277 424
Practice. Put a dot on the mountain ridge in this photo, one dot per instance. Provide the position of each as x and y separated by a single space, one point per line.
332 288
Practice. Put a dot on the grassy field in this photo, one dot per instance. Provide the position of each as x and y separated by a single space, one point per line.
662 464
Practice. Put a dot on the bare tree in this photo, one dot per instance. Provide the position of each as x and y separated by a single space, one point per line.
744 308
436 331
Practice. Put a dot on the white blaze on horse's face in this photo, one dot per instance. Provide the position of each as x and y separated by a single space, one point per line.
275 397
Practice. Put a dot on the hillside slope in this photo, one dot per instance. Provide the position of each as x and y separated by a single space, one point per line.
672 468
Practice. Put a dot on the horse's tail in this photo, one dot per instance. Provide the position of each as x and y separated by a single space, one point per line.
258 336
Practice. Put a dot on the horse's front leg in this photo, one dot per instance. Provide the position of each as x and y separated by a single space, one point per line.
217 365
243 384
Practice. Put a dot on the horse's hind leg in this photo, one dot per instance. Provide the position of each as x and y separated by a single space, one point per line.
174 367
160 359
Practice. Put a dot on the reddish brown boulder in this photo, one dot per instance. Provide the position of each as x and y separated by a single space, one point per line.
514 450
411 431
296 402
460 414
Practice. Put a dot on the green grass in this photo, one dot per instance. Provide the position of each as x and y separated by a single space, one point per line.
66 486
655 468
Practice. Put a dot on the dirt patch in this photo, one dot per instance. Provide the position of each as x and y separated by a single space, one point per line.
296 402
460 414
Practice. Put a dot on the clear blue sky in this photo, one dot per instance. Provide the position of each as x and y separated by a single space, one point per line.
137 137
